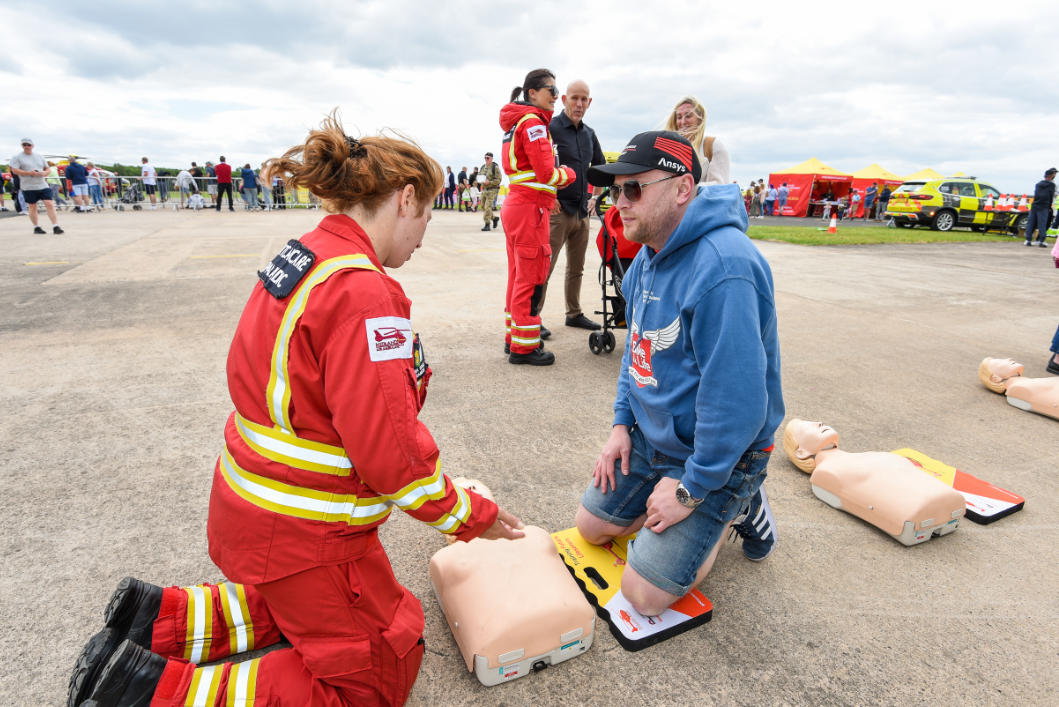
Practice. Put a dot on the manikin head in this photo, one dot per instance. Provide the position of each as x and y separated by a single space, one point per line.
995 372
804 440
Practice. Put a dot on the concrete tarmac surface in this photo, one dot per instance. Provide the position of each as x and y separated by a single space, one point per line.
113 342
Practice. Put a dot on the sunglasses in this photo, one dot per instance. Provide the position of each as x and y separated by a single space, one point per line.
551 87
632 189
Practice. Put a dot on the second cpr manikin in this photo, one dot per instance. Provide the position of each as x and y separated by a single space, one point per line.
885 489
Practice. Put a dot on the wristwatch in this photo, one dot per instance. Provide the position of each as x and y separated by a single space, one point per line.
685 497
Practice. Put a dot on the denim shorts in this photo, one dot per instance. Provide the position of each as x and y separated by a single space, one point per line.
670 559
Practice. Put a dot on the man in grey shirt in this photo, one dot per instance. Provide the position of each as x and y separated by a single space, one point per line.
32 169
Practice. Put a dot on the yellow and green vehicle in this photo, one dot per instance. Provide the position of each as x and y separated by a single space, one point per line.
945 204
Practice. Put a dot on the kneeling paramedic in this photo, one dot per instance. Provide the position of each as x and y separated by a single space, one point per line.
699 394
327 378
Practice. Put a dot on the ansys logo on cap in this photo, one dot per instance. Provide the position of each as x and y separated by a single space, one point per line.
677 149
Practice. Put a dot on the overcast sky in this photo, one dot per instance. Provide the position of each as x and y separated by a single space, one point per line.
968 86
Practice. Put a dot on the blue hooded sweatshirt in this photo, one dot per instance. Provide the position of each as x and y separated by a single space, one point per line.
701 371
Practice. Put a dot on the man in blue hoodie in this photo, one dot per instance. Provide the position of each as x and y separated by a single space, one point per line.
699 395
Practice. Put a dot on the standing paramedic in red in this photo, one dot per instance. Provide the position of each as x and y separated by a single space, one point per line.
532 166
327 378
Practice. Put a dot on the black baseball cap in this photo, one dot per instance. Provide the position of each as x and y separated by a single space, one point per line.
657 149
488 154
1052 170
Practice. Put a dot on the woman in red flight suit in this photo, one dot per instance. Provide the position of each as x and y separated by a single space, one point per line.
531 164
327 378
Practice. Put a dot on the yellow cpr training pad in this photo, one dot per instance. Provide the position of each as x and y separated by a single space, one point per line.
598 570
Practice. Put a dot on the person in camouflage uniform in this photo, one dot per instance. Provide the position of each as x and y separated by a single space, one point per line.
490 188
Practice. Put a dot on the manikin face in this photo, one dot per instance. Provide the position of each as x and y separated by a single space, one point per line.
1004 368
813 438
687 118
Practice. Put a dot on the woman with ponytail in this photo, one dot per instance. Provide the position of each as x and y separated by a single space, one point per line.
327 379
531 163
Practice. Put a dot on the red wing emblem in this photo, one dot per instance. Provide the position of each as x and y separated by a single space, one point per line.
642 348
390 334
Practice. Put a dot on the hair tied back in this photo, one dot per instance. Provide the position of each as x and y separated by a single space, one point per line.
355 148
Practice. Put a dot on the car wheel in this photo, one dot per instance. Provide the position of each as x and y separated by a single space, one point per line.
1018 225
943 221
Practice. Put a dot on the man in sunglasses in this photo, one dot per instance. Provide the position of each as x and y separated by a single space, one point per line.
699 395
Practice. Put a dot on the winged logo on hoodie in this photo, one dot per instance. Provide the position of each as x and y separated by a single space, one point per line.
643 348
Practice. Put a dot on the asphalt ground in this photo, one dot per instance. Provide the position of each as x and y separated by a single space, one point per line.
113 341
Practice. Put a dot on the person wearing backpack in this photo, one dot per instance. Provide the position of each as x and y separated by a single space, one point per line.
689 119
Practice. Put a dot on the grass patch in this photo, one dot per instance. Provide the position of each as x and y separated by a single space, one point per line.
868 235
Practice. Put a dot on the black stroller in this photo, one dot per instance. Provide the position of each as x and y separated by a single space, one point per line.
611 273
132 194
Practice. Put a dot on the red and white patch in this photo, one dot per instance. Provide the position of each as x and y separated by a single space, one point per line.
389 338
536 132
641 349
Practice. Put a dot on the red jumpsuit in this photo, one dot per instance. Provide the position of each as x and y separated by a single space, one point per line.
530 162
325 440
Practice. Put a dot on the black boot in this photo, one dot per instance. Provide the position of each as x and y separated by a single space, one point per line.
130 614
545 332
496 220
486 227
537 357
129 678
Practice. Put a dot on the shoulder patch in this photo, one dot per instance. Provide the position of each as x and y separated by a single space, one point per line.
389 338
536 132
287 269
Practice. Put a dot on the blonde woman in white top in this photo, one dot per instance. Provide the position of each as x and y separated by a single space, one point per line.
689 119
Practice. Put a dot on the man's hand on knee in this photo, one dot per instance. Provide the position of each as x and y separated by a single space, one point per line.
663 508
619 445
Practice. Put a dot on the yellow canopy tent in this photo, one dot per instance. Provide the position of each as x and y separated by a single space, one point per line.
807 182
872 174
958 174
924 175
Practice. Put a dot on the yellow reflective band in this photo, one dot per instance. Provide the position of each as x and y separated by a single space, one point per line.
298 502
449 522
278 446
204 685
237 616
278 394
536 185
199 634
420 491
242 684
521 177
512 162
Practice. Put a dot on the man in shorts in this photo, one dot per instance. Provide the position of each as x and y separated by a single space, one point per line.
150 184
211 182
699 395
78 176
32 169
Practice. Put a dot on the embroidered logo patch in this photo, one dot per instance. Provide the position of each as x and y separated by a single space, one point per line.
287 269
641 350
536 132
389 338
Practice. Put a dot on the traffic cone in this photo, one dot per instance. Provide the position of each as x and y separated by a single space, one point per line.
833 228
1005 203
988 203
1023 204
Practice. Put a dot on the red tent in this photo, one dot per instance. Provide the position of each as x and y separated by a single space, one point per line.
809 182
873 175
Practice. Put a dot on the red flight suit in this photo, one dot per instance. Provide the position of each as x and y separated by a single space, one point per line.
531 163
327 380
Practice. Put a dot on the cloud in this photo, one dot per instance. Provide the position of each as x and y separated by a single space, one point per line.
972 90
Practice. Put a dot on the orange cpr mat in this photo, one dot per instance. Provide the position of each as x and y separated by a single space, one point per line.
986 503
598 570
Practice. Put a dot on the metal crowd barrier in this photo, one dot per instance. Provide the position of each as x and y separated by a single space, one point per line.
130 193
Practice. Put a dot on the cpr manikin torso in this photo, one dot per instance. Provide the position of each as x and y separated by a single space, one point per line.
511 604
1004 375
884 489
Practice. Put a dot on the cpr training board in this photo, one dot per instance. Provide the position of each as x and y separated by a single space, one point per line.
598 571
986 503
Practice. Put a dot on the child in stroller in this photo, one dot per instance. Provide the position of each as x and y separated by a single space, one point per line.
617 254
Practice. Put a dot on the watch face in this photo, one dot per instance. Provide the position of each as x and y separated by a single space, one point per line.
683 496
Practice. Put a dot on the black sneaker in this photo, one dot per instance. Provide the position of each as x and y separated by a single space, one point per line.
537 357
496 220
56 230
1029 243
486 227
1042 244
545 332
129 678
582 322
1053 367
130 614
38 229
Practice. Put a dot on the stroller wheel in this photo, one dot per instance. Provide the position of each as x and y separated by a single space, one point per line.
608 341
136 207
595 342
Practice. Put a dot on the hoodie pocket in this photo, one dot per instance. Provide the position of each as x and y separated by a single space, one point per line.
660 429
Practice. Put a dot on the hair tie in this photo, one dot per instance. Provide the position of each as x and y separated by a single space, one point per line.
355 148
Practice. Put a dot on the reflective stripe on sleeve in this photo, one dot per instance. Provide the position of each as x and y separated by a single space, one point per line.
449 522
242 684
278 393
420 491
237 616
204 684
285 448
298 502
199 635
